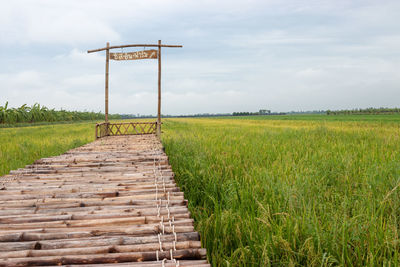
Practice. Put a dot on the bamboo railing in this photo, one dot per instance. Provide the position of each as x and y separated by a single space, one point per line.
125 128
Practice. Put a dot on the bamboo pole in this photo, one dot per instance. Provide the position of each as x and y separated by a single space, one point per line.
88 194
19 215
62 203
132 45
106 85
104 258
95 241
107 248
84 232
135 223
159 91
107 214
167 263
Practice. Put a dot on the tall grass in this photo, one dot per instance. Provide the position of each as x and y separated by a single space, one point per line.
23 145
290 193
20 146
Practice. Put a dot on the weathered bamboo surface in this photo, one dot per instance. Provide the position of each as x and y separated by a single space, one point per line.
113 202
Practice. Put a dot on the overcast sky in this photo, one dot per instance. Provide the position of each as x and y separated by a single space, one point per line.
237 55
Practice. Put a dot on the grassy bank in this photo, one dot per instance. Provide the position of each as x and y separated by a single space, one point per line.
33 124
291 192
23 145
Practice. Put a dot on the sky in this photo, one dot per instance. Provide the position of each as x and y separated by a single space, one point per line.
283 55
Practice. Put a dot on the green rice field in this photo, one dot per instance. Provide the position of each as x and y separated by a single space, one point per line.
307 190
20 146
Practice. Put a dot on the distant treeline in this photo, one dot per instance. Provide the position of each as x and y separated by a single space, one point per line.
38 113
257 113
360 111
260 112
132 116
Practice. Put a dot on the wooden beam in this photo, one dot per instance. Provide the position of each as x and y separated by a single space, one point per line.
132 45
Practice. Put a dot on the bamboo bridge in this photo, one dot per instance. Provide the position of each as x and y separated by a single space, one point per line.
112 202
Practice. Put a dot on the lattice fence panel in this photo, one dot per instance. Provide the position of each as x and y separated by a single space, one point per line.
125 128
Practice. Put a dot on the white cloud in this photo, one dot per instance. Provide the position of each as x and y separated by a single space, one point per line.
53 22
72 27
79 56
279 55
84 81
22 79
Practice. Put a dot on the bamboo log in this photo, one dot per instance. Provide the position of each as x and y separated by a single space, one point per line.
177 212
139 174
34 169
32 212
43 169
132 203
95 241
102 165
101 249
95 161
167 263
88 187
179 226
92 195
31 202
83 169
92 158
70 223
63 233
93 182
104 258
56 190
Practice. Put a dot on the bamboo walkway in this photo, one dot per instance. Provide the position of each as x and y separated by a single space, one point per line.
113 202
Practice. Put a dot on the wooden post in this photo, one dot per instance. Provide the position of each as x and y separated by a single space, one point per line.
107 67
159 91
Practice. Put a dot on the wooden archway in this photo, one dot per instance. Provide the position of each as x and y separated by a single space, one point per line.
107 128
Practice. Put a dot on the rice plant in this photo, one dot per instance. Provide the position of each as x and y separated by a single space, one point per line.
290 192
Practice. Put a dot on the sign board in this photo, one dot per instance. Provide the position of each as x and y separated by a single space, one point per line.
145 54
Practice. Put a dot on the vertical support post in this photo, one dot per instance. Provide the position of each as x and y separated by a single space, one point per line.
159 91
106 92
96 135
